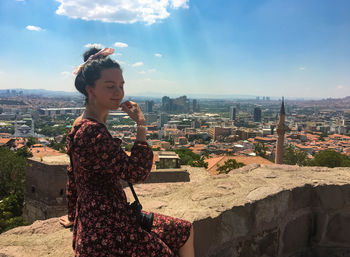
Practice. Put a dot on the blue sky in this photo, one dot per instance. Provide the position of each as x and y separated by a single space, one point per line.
294 48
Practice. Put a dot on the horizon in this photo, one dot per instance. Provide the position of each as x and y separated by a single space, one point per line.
295 49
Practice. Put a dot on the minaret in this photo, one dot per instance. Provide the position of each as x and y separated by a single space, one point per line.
32 130
281 130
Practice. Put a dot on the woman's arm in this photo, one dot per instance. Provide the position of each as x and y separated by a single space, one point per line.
71 193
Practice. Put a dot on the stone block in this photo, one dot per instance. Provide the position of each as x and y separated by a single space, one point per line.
330 197
296 235
234 224
338 229
271 210
301 197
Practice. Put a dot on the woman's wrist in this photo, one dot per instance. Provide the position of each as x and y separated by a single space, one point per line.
141 123
141 133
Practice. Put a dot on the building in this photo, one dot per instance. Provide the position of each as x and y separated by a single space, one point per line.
52 112
24 130
281 130
149 106
151 118
195 106
163 119
257 114
216 133
180 104
168 160
232 114
45 189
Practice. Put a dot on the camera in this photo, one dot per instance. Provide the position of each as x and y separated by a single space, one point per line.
145 220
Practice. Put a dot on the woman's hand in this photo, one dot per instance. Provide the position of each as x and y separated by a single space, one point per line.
134 111
65 222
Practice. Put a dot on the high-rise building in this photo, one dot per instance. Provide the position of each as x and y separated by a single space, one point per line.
167 104
150 118
195 105
163 118
148 106
232 114
257 114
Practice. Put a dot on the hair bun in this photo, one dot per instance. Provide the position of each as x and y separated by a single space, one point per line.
89 52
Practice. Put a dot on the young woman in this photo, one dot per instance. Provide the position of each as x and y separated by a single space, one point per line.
103 222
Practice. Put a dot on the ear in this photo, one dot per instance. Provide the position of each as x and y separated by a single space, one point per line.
90 90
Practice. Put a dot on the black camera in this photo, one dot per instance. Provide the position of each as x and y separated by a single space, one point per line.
145 220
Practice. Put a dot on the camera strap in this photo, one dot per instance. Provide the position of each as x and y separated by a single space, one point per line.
133 192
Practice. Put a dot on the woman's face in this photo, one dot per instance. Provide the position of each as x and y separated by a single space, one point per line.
109 89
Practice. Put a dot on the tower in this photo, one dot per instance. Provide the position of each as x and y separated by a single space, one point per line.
32 129
257 114
281 130
232 113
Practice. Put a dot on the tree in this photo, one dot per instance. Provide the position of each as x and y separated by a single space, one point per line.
24 152
330 158
12 173
32 141
12 177
199 163
187 156
229 165
260 149
293 156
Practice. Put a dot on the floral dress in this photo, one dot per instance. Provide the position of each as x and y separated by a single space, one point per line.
104 223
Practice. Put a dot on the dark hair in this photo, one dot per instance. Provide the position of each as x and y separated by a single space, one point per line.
92 71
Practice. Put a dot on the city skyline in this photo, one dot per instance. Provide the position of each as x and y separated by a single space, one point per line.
273 48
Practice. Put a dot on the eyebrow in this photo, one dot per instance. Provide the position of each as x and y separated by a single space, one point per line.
111 81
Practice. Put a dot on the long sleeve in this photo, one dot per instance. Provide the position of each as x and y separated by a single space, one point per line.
107 156
71 194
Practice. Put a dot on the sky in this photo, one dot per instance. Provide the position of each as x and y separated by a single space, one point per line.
294 48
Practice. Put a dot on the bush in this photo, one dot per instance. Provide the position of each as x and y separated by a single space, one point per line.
330 158
229 165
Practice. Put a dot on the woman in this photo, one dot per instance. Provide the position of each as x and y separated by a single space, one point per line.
103 222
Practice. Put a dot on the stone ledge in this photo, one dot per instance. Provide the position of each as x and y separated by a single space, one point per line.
275 210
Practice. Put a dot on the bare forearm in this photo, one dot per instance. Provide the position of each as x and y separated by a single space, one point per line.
141 133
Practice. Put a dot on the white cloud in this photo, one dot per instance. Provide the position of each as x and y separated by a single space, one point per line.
340 87
97 45
137 64
152 70
302 68
67 74
119 11
33 28
179 3
120 44
158 55
141 72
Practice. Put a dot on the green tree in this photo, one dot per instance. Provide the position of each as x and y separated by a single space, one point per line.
330 158
11 213
293 156
199 163
260 149
12 173
12 176
187 156
32 141
228 166
24 152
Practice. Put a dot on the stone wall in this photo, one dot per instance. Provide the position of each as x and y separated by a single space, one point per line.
263 211
304 221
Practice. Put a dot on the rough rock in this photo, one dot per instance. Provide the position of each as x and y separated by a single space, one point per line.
275 210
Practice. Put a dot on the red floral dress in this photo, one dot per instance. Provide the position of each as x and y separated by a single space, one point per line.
104 223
